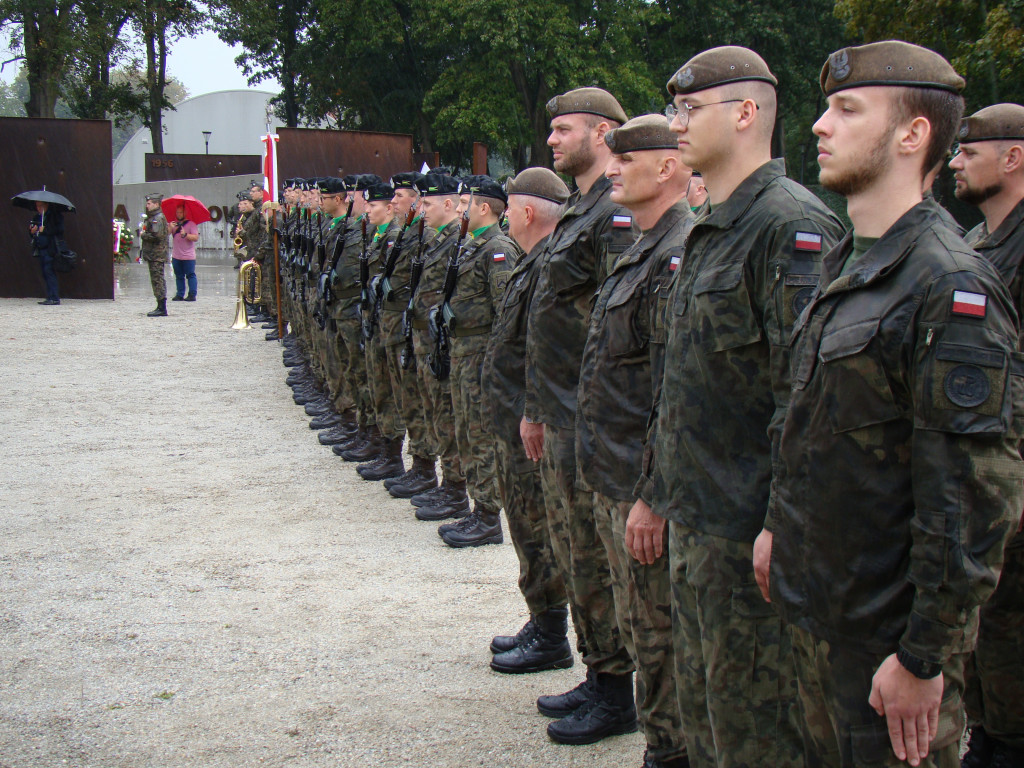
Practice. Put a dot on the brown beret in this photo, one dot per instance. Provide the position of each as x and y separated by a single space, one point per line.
892 63
538 182
640 133
995 123
587 101
718 66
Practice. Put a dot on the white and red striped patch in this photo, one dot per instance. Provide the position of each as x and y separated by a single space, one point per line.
970 304
807 241
499 257
618 220
673 264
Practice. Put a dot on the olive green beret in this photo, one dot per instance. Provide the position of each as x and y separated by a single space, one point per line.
718 66
539 182
892 63
995 123
643 132
587 101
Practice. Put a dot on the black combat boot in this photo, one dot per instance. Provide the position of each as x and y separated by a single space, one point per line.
308 394
421 477
272 336
292 359
297 376
320 407
355 440
325 421
368 450
485 528
460 522
610 712
454 503
161 309
564 704
502 643
546 648
979 749
430 498
389 464
334 436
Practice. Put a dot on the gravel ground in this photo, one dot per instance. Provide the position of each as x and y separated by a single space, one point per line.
190 579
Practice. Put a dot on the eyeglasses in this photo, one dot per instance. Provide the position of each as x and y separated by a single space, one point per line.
672 111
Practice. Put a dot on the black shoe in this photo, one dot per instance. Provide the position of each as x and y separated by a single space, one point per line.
421 477
547 647
177 298
458 524
320 407
307 395
485 529
980 747
389 464
430 498
502 643
326 421
190 297
564 704
610 712
369 449
291 362
333 436
268 326
454 503
272 336
49 302
161 309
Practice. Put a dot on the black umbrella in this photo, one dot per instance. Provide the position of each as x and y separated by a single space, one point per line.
29 199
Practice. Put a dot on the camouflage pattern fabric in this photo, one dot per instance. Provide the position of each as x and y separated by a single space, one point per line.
153 247
156 278
440 412
378 377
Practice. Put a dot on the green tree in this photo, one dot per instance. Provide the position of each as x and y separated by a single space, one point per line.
44 30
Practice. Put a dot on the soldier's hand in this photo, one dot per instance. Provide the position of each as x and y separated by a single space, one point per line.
910 707
763 561
533 439
645 534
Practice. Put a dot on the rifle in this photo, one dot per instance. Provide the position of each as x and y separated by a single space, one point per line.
442 319
382 290
364 280
407 357
327 275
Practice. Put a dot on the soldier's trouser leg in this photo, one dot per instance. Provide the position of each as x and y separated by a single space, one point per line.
384 405
734 670
406 387
440 413
643 602
475 441
840 728
522 496
350 330
338 382
995 672
581 557
156 279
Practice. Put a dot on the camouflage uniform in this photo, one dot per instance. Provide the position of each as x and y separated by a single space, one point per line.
750 266
900 419
483 270
574 263
265 256
439 408
619 379
503 382
385 406
334 348
995 673
154 251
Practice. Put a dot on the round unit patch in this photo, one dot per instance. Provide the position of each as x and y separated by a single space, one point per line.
967 386
801 300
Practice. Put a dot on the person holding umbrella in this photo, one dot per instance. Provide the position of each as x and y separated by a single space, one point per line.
184 234
47 230
153 235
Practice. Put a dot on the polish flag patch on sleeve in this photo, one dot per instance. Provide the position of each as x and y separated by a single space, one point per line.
619 220
673 264
499 257
970 304
807 241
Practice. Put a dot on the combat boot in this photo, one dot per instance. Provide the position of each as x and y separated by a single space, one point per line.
610 712
546 648
161 309
319 407
458 524
388 464
564 704
369 449
430 498
334 436
325 421
502 643
308 394
421 477
292 359
298 376
355 440
454 503
980 747
272 336
485 528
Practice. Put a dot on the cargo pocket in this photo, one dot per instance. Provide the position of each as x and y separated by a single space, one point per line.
724 316
857 392
964 390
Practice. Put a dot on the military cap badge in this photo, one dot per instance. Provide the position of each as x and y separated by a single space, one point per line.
684 78
840 65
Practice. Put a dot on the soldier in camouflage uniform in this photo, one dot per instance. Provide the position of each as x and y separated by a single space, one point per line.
482 270
752 259
619 381
990 174
898 477
153 237
590 236
535 199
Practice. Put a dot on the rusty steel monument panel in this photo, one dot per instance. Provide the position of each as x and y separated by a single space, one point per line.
308 152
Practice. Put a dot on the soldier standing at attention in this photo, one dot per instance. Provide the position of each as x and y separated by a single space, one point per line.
154 251
619 381
590 235
535 199
752 260
989 170
898 477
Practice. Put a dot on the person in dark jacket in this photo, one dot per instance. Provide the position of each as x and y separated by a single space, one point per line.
46 228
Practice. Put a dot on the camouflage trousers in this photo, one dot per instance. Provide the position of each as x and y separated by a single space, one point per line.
407 389
156 278
643 604
522 496
580 555
268 286
840 729
350 332
341 395
473 436
385 402
995 672
734 665
440 412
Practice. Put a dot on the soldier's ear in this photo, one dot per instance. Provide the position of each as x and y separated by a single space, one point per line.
1013 159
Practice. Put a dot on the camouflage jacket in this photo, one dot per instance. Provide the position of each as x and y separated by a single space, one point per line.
484 267
592 232
899 478
254 232
750 267
435 264
153 237
504 370
344 279
396 302
622 360
380 244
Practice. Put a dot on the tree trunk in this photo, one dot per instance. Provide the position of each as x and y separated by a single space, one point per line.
44 61
156 59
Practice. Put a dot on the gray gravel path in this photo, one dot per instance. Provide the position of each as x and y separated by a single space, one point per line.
190 579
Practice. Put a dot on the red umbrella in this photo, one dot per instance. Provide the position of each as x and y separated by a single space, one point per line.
195 211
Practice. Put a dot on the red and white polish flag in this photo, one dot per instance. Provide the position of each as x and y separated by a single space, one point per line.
970 304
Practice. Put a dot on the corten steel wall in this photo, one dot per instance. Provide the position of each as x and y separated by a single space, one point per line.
309 152
170 167
72 158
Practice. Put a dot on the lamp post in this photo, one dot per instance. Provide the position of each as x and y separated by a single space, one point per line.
206 135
